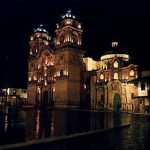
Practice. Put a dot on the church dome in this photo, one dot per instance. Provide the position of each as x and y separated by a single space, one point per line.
40 29
116 51
68 15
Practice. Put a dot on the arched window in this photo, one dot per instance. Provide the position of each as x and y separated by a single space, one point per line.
132 73
115 76
102 76
115 64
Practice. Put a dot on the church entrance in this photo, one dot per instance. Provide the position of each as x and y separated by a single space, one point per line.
117 103
45 98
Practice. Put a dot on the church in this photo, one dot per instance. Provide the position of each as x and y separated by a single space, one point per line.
59 74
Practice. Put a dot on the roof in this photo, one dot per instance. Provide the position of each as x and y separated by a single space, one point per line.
40 29
144 79
68 14
116 50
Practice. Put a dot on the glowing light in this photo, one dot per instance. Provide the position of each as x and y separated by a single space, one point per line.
68 22
79 26
116 76
57 25
115 64
114 44
58 73
45 83
101 76
34 78
29 79
132 73
54 89
8 91
125 57
39 90
84 86
90 64
39 66
46 43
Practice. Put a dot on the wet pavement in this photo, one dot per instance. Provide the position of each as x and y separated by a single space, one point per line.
29 125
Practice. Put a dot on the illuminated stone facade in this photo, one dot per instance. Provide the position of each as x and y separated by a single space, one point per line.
55 74
60 75
108 83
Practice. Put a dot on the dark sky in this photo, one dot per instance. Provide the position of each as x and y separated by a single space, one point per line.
102 20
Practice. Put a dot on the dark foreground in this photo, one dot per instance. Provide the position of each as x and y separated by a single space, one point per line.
30 125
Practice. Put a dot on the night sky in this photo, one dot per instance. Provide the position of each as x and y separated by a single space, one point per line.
127 21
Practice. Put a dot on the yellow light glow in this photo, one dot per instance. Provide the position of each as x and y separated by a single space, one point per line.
39 66
46 43
34 78
31 38
115 64
54 89
132 73
101 76
125 57
114 44
29 79
116 76
90 64
68 22
79 26
39 90
45 83
8 91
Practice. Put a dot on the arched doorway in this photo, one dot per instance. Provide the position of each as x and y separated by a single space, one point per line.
117 103
45 98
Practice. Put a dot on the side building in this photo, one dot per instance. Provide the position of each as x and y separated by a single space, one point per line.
141 97
108 87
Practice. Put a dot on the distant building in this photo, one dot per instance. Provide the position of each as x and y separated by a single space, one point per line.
13 96
60 75
142 97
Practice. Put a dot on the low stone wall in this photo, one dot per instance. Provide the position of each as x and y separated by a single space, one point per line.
62 142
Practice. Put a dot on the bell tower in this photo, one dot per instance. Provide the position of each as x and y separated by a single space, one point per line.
40 68
68 61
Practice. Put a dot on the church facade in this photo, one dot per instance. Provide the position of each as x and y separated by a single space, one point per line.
55 74
60 75
109 87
